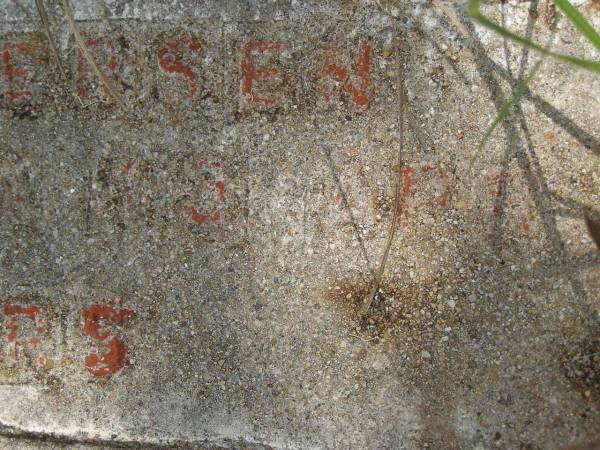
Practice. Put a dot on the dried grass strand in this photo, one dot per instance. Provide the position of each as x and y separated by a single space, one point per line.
46 25
397 191
81 44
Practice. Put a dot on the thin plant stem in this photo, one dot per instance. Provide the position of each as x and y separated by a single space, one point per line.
45 23
473 7
81 44
397 190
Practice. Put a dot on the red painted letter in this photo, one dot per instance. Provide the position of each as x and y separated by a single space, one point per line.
12 71
364 63
112 65
109 363
251 74
169 59
33 314
214 170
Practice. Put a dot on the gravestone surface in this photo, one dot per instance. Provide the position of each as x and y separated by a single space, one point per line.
190 268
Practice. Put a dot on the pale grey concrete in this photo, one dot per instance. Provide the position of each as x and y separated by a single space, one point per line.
245 332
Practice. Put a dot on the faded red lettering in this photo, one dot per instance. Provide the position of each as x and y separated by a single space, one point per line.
170 60
250 74
106 364
12 71
201 218
497 178
14 343
407 180
96 318
341 74
133 177
500 182
220 187
410 198
214 170
112 65
127 167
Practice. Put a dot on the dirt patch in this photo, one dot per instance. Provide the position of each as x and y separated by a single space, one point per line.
405 311
581 365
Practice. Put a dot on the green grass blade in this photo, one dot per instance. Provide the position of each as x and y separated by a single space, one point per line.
503 113
579 21
474 11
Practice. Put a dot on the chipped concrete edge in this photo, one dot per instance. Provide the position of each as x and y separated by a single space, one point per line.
33 437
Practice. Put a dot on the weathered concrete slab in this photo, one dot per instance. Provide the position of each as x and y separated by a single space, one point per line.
189 271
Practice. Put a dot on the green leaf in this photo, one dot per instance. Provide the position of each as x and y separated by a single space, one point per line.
579 21
574 16
503 113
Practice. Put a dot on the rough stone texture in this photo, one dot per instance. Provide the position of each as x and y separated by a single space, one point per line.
245 331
